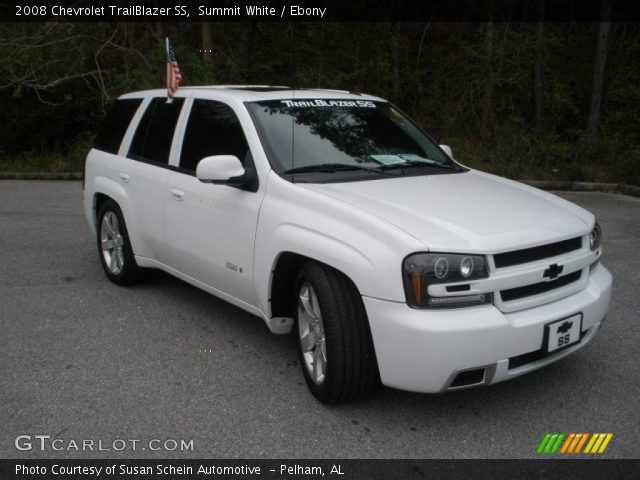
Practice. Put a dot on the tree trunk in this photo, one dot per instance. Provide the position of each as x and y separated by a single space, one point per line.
602 49
486 121
207 42
160 30
248 35
539 68
159 27
395 61
128 41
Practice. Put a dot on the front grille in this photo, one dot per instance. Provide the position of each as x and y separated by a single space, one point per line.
538 288
517 257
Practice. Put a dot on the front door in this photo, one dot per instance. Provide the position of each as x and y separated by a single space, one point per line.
210 229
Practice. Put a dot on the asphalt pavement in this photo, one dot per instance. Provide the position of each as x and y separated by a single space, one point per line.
83 359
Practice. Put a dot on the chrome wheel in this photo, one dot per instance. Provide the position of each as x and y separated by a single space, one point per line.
112 243
311 329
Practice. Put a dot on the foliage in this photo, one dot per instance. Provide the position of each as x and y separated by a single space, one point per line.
455 79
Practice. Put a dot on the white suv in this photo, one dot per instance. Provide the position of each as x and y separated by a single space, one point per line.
332 213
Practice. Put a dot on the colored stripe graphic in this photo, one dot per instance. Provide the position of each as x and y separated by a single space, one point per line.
557 444
567 443
592 440
582 440
606 441
543 443
598 442
596 445
572 443
550 443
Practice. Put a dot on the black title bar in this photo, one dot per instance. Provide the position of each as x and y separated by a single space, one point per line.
318 469
321 11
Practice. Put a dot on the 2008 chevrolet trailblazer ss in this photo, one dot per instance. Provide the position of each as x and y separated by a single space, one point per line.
332 214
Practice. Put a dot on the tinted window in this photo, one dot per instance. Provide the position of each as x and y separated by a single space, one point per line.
115 125
213 129
153 137
361 133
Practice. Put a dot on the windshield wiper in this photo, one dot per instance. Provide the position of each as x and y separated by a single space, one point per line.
332 168
418 163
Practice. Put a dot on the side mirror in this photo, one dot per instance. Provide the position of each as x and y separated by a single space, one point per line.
221 170
447 150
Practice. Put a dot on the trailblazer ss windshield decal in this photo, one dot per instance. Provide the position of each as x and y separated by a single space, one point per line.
329 103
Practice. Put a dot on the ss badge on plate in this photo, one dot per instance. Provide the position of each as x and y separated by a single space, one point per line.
563 333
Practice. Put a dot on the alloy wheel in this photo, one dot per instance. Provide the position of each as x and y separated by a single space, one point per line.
311 331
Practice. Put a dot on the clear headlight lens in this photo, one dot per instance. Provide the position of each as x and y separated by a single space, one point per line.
423 269
595 237
466 267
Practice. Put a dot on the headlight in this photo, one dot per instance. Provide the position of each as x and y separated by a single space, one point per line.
423 269
595 237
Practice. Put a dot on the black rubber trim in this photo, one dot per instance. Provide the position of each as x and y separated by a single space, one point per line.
527 255
538 288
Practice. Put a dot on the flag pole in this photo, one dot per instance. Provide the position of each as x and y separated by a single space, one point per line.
174 78
166 50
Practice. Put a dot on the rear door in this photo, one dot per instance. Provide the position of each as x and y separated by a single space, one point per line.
145 174
210 229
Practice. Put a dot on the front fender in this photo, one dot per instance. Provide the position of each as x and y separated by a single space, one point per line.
320 246
363 247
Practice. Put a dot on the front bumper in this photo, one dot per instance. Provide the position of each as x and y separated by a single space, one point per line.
424 350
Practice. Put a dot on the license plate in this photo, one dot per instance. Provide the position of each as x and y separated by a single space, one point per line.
562 333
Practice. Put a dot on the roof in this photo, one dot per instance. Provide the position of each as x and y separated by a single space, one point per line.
252 93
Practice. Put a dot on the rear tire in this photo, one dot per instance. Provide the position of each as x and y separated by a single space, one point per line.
334 340
114 247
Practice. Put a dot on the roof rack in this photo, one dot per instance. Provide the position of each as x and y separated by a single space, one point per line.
325 90
244 87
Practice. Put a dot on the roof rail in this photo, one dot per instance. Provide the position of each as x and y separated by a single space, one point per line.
239 87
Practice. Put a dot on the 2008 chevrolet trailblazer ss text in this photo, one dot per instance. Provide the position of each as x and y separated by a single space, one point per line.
333 214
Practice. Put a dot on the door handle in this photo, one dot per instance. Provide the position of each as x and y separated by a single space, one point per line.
124 177
176 194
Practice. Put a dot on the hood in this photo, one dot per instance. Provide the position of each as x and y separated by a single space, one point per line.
470 212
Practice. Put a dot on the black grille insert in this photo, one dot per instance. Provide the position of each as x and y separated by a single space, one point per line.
517 257
538 288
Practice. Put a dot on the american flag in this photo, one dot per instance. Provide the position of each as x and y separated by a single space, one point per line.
174 79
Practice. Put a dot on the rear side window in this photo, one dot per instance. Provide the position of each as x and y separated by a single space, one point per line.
213 129
115 125
153 137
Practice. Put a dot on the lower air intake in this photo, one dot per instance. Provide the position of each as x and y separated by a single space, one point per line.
468 378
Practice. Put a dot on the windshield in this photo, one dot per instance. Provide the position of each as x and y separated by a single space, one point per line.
314 135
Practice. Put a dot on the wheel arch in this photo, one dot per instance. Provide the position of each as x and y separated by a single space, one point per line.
283 281
105 189
98 200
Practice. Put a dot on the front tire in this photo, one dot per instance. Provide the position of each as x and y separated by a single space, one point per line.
114 247
334 341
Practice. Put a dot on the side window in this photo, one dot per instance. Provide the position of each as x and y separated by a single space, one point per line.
115 125
153 137
213 129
